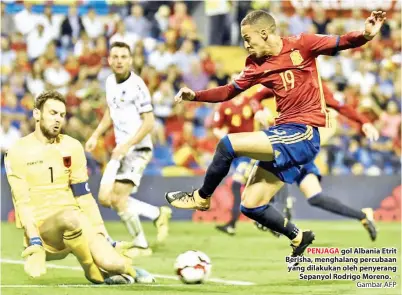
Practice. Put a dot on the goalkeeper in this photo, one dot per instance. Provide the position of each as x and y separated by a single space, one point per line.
48 177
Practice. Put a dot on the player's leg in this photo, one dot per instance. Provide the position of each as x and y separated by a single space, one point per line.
281 146
107 183
64 229
130 218
118 268
283 202
310 186
243 169
261 187
133 167
255 145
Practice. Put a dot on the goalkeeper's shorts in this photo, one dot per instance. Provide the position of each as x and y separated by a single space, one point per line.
53 253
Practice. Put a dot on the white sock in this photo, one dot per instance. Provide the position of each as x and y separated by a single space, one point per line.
134 227
144 209
109 176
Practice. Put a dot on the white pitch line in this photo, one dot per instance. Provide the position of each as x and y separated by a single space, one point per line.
85 286
77 268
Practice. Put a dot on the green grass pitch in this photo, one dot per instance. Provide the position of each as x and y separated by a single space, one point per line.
251 256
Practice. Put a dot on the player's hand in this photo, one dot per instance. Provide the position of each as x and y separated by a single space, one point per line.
373 24
35 261
120 151
370 131
184 94
90 145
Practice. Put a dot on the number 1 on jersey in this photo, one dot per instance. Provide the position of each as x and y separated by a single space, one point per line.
51 174
288 78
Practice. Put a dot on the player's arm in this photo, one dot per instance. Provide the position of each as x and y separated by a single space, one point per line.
346 110
15 169
148 121
144 107
80 188
103 126
330 45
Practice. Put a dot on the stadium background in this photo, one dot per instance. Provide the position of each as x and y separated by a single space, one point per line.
52 45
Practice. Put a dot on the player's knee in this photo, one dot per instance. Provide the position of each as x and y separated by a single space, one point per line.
69 220
225 147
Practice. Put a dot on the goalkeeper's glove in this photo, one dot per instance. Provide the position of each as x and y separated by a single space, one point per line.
35 258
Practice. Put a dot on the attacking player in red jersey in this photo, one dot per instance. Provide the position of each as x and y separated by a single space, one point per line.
310 177
288 67
234 116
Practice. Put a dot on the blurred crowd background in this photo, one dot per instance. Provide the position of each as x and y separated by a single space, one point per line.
52 45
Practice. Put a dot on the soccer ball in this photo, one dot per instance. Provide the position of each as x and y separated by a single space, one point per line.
193 267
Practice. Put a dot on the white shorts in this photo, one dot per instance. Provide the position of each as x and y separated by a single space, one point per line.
132 166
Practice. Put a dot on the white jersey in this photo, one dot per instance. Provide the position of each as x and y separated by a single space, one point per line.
127 101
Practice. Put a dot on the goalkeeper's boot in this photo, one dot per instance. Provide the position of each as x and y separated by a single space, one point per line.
188 200
369 224
227 229
299 247
162 223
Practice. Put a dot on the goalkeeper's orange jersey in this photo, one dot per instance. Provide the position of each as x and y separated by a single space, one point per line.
43 176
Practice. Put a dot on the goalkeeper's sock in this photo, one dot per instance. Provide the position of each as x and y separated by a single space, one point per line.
268 216
335 206
133 224
79 245
144 209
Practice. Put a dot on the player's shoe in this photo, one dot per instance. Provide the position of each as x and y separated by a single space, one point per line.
227 229
369 224
162 223
122 279
186 200
128 249
298 250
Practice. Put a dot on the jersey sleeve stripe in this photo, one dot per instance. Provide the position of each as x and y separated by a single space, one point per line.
335 50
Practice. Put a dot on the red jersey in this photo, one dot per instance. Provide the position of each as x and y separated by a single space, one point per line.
238 117
346 110
293 77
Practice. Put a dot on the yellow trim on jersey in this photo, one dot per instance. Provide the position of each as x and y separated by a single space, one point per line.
324 109
289 139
